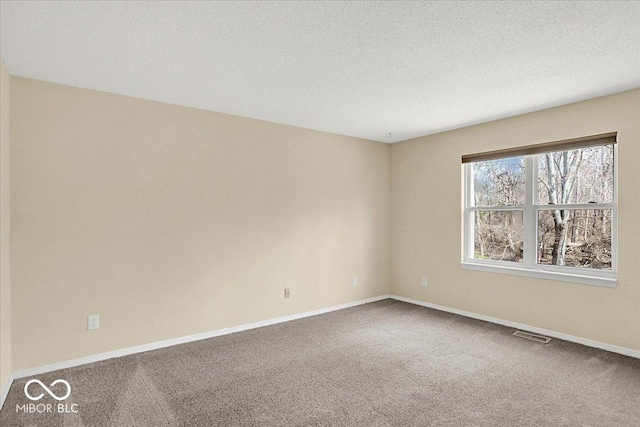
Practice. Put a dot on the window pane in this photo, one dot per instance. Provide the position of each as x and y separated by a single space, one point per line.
575 238
498 235
576 176
499 182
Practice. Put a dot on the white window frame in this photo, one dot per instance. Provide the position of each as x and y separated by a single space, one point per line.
529 267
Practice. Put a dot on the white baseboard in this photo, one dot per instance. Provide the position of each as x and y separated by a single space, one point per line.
5 390
174 341
540 331
225 331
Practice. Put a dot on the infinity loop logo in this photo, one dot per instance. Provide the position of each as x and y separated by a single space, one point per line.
52 394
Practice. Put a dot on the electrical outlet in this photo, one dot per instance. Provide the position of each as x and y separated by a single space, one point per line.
93 322
354 282
424 281
287 293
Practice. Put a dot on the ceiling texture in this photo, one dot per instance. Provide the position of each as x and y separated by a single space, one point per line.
385 71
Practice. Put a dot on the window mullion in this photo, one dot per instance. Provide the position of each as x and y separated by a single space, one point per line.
582 206
468 215
498 208
530 220
614 213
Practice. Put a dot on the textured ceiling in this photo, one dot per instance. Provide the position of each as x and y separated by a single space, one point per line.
357 68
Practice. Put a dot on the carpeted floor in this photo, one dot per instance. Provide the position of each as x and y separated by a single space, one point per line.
382 364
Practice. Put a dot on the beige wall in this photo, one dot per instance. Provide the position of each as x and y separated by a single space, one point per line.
169 221
426 211
5 276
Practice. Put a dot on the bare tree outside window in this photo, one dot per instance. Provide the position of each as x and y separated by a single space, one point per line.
499 233
580 237
567 208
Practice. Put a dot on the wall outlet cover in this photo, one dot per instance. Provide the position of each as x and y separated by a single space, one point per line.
93 322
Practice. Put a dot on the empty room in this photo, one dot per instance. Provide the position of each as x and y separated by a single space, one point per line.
320 213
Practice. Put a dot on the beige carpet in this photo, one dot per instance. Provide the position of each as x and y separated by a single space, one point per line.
382 364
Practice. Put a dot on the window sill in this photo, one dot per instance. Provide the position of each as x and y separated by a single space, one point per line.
543 274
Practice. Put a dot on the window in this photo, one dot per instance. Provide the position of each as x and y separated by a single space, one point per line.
545 211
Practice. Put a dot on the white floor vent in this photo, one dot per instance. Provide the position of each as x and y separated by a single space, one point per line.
532 337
